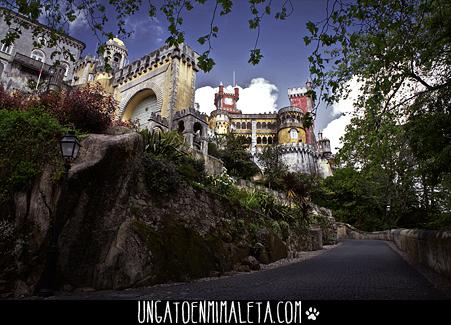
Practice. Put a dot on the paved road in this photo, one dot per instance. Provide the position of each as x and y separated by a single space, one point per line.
354 270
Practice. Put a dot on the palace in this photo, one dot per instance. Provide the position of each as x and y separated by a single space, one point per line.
157 92
300 150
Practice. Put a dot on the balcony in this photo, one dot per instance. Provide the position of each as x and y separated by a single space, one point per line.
30 63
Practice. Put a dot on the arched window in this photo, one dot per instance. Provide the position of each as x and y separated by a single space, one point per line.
249 125
65 66
197 127
8 49
181 127
259 140
269 125
270 140
38 55
117 57
243 125
265 140
294 134
259 125
90 77
264 125
238 125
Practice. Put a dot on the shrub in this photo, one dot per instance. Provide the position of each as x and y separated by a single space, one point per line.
10 100
163 145
28 140
191 169
87 109
160 176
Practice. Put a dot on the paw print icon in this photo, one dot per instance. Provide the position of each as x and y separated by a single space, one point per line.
312 313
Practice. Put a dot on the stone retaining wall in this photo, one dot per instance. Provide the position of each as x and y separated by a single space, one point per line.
426 247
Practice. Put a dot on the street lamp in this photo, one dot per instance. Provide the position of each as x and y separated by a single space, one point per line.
69 147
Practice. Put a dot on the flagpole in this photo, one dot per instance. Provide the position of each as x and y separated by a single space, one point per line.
40 73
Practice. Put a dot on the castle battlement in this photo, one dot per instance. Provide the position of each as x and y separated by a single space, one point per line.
155 59
191 111
294 92
157 118
299 148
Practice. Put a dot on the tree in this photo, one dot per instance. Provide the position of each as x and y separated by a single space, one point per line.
98 14
274 168
237 158
300 187
397 52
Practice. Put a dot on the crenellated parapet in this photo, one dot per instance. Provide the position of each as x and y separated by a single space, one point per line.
301 148
191 111
155 59
85 61
157 118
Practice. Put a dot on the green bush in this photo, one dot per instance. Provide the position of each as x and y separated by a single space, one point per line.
28 140
191 169
161 176
163 145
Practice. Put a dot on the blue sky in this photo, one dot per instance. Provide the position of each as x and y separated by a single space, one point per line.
284 64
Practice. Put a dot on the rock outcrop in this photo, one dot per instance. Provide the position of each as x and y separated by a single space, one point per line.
113 234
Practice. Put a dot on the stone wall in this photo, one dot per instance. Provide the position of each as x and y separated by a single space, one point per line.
426 247
114 234
213 165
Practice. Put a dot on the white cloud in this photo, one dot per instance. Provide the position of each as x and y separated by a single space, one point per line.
79 22
259 97
143 26
343 110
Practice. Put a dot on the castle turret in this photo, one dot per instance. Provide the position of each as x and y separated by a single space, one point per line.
324 146
302 97
290 126
227 101
219 122
115 53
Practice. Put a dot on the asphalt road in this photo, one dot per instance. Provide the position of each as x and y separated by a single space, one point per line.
356 269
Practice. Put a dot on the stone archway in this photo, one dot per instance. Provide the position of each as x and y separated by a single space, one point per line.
140 107
128 92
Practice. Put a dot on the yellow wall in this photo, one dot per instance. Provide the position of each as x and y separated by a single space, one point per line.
185 92
284 135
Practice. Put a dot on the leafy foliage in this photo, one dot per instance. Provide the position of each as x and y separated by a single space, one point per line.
398 142
237 160
167 145
273 166
28 140
99 14
166 164
161 176
87 109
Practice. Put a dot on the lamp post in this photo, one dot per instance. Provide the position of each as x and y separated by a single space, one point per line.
69 147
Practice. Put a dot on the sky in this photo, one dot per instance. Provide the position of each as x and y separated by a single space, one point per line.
263 88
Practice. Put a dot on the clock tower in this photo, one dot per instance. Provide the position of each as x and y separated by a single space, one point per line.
227 101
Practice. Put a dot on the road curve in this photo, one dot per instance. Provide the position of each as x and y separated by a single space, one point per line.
355 270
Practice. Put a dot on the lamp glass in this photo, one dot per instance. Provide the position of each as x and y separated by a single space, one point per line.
69 146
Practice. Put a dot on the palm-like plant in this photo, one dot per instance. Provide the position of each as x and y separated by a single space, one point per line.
169 145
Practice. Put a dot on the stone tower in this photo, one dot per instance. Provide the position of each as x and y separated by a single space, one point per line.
115 53
302 97
227 101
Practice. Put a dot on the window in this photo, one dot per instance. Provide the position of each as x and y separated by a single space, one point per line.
38 55
65 66
6 48
294 134
90 77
